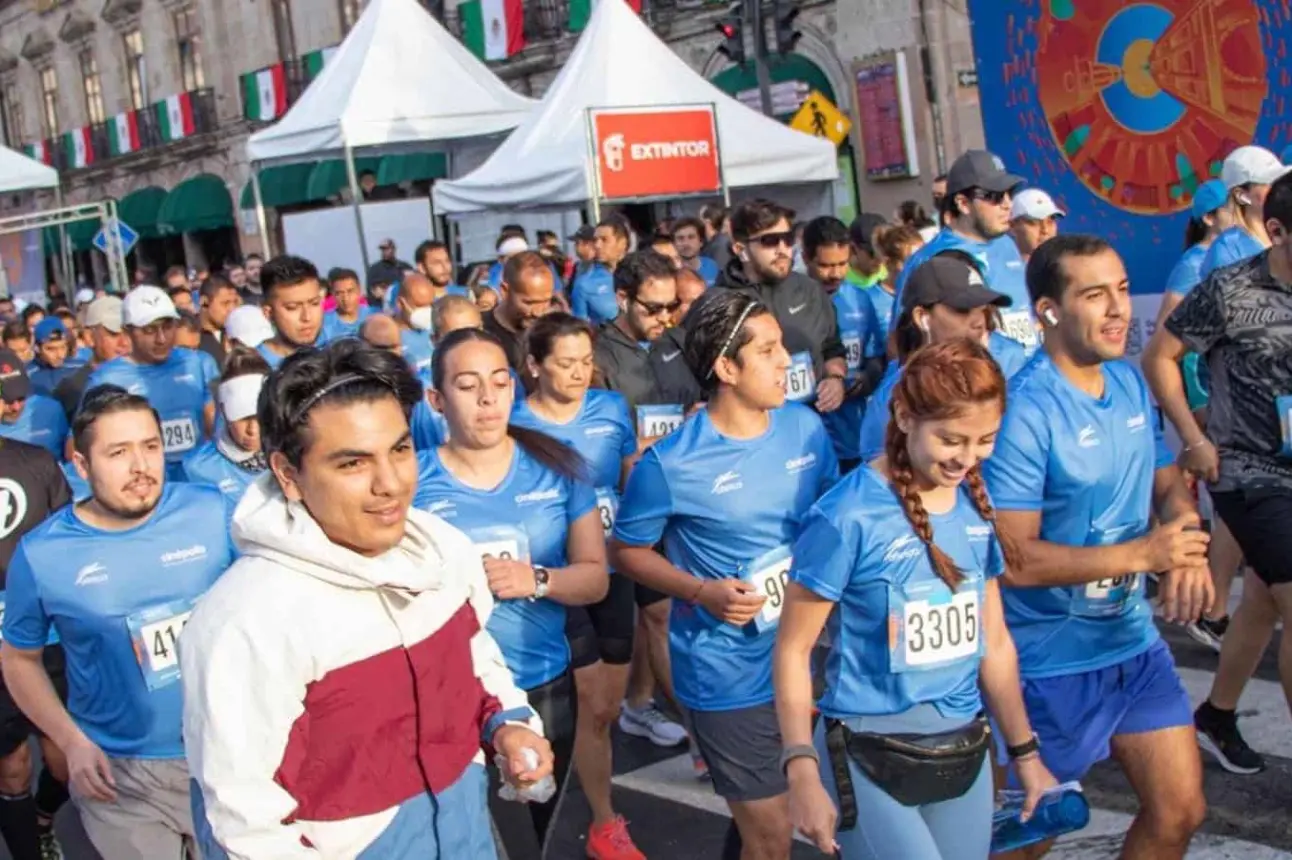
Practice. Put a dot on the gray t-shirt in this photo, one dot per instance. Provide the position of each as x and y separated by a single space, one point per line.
1240 321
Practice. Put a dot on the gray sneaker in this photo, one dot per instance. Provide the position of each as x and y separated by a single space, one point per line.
651 723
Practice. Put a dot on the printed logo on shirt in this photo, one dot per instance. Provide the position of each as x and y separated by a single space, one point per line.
906 546
136 388
977 533
538 496
1136 424
796 308
727 482
92 574
441 508
1086 438
669 356
975 279
228 485
1013 264
800 464
600 430
13 506
183 556
185 378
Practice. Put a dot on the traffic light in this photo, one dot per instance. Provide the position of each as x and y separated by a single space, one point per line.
785 13
732 28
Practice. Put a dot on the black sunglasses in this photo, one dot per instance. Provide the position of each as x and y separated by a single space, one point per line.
995 198
654 309
774 240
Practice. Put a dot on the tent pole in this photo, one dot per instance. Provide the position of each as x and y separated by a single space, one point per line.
356 198
262 223
117 260
64 255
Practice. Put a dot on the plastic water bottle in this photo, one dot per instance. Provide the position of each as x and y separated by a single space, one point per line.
1061 810
539 792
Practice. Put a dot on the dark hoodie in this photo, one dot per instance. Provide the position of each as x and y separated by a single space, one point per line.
672 374
626 368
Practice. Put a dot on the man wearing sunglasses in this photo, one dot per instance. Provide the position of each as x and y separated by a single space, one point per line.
646 292
976 215
763 240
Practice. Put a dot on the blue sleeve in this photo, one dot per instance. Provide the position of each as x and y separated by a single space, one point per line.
825 554
578 299
995 557
647 504
628 435
1016 470
1222 253
1185 275
874 424
579 499
1162 456
874 345
829 475
26 625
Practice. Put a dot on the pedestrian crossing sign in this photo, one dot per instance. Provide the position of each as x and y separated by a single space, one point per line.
820 118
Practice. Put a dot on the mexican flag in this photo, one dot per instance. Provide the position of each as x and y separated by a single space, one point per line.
176 117
39 151
123 133
581 11
493 29
264 93
80 152
316 60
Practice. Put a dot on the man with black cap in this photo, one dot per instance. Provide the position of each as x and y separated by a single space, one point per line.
25 415
585 249
976 212
389 269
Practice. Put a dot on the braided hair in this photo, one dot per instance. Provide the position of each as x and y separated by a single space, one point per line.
937 383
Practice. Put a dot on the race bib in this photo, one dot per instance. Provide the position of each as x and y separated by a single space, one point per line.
852 348
769 574
1107 597
502 542
1018 325
154 633
1283 405
607 507
800 379
658 419
178 434
931 627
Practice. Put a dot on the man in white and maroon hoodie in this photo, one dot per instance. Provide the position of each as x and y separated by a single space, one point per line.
341 693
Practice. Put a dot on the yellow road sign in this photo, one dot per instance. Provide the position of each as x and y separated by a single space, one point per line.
820 118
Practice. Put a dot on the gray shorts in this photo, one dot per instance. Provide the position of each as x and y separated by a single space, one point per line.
152 818
743 751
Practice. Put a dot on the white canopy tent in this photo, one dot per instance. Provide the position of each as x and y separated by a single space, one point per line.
620 62
20 173
398 82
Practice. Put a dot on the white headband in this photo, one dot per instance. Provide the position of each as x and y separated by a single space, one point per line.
238 396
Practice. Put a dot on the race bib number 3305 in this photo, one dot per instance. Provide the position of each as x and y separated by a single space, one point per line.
931 627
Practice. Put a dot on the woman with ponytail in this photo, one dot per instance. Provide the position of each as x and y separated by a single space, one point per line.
527 502
902 560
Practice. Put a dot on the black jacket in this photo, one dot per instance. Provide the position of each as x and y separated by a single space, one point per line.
626 368
673 376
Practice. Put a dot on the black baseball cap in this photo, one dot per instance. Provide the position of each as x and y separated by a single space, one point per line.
586 233
14 384
863 228
949 279
978 168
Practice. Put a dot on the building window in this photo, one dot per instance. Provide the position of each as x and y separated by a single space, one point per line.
93 87
188 37
350 12
283 29
11 115
49 101
136 72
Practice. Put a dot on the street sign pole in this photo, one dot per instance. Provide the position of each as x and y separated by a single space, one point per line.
754 14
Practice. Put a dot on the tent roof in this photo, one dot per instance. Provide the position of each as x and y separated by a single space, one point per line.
399 78
619 62
20 173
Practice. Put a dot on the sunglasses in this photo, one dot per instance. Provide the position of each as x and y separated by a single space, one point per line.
995 198
654 309
774 240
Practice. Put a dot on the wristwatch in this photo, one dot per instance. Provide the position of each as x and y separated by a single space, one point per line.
1024 749
542 582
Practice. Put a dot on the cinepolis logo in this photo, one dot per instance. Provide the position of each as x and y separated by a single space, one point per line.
612 152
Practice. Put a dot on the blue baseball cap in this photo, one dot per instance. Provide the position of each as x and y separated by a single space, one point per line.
1209 197
50 328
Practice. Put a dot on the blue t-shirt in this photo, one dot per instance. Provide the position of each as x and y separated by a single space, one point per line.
79 486
1087 466
858 549
45 379
593 295
206 465
857 330
113 595
708 269
1002 268
1232 246
722 506
881 308
418 351
528 515
429 428
1187 271
602 432
335 328
1010 355
42 422
179 389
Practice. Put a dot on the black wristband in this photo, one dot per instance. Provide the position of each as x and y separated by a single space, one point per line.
1027 748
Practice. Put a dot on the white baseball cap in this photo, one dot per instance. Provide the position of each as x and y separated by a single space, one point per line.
84 296
145 305
1035 204
511 246
248 326
1252 164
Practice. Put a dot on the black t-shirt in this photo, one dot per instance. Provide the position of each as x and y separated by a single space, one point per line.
32 487
513 343
71 389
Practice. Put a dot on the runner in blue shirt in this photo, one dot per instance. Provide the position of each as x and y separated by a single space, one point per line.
1247 174
978 200
909 536
116 578
233 459
521 496
344 320
592 297
1079 470
413 312
53 362
596 423
433 260
895 244
293 303
179 383
726 493
688 238
26 416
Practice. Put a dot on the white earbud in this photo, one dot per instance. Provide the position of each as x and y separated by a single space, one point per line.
1244 200
924 324
1049 316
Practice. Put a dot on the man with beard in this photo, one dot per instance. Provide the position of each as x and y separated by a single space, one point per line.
593 295
674 379
250 289
435 262
115 578
976 212
293 303
763 240
526 290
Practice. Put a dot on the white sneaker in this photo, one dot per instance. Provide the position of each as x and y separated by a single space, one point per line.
650 722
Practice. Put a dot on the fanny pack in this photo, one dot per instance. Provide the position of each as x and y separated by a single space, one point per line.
912 769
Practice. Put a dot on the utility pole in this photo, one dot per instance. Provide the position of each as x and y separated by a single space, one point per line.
754 13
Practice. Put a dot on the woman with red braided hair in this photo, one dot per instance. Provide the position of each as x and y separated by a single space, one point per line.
901 560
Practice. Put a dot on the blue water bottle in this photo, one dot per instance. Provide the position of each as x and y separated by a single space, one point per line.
1061 810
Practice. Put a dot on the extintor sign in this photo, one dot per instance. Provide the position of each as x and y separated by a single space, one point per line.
655 152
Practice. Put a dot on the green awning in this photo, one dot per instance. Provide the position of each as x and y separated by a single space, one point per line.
285 185
329 177
413 167
200 203
139 210
80 235
794 67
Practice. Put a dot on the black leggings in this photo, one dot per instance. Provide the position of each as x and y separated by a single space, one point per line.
523 828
